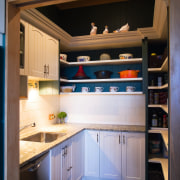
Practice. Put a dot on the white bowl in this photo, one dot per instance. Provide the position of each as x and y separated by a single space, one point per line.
83 58
125 56
63 57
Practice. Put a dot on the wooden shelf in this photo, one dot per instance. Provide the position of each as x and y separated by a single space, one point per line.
164 134
101 80
164 165
163 68
103 93
162 106
165 86
103 62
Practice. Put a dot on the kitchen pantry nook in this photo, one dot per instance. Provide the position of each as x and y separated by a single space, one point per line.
118 134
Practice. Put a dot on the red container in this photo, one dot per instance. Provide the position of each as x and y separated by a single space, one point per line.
129 74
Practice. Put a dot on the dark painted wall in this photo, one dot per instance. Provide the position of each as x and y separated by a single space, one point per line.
138 13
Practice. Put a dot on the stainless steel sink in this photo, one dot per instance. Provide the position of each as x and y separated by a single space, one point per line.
45 137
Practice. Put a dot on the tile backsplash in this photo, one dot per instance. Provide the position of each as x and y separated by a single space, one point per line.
37 108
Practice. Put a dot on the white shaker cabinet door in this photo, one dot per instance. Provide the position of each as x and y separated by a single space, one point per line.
78 156
66 160
36 52
133 156
92 153
110 155
56 163
51 58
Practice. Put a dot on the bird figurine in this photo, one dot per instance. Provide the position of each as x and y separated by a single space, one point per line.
106 30
124 28
93 29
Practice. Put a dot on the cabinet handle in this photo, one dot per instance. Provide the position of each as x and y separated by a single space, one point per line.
97 138
47 69
65 150
123 139
69 168
44 70
119 139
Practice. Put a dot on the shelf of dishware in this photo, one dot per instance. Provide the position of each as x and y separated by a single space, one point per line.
100 80
103 62
165 86
164 165
162 106
164 134
103 93
163 68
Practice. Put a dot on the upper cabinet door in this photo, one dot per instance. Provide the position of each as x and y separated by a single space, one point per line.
133 150
110 155
92 153
36 52
51 55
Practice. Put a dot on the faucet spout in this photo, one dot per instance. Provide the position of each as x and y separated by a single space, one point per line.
26 126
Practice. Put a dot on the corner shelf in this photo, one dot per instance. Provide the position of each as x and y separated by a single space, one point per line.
163 68
101 80
164 134
162 106
164 165
165 86
103 62
103 93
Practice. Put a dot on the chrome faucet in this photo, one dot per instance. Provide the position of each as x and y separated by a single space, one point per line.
26 126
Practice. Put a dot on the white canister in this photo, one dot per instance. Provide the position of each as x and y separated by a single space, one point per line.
99 89
63 57
113 88
130 88
85 89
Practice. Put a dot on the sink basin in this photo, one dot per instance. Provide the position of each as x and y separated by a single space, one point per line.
45 137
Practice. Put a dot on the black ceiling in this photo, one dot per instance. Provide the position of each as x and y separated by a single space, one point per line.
76 21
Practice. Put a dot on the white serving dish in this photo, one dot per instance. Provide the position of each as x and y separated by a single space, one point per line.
83 58
67 88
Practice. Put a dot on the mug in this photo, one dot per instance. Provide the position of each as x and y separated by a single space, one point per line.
113 88
99 89
130 88
85 89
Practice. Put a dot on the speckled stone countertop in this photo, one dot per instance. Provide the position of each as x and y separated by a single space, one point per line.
29 150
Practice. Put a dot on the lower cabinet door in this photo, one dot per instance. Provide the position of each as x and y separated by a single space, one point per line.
56 163
78 156
133 156
110 155
92 153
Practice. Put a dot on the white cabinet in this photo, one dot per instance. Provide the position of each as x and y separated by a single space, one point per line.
66 153
43 54
56 163
114 155
110 155
51 57
78 156
92 153
133 156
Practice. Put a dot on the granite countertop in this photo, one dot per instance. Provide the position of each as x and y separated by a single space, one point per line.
29 150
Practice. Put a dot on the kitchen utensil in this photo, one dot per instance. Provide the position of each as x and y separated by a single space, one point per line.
83 58
129 74
85 89
80 74
113 88
130 88
99 89
63 57
125 56
103 74
105 56
67 88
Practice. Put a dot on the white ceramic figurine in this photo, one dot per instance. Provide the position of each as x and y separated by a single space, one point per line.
124 28
93 29
106 30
